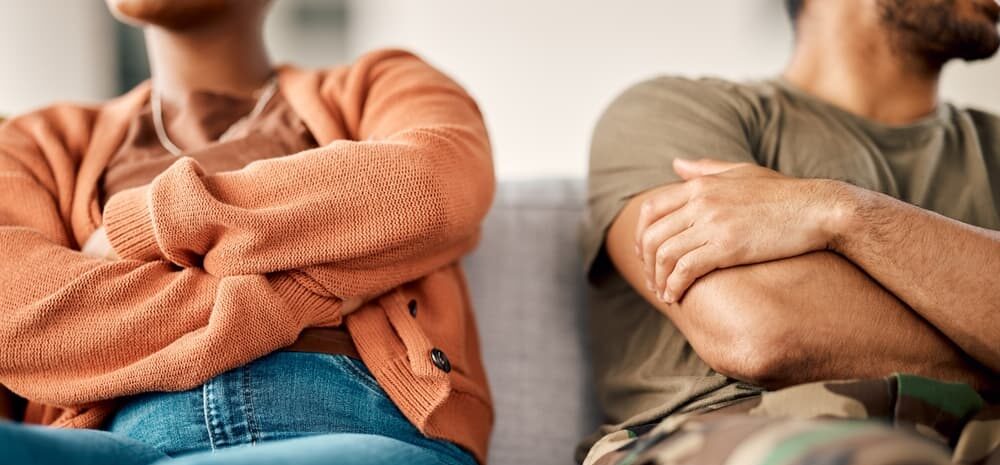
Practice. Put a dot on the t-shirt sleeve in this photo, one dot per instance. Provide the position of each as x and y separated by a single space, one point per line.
644 129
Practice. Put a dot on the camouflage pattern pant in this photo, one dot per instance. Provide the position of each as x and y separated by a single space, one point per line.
901 419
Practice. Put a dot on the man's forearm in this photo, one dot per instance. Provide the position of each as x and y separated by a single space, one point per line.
796 320
945 270
818 317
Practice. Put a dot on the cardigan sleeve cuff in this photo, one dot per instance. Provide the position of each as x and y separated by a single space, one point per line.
129 224
312 310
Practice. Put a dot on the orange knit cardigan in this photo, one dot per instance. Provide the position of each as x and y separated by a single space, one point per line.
219 270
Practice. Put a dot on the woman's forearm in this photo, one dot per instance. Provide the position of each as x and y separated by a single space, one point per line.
75 329
403 198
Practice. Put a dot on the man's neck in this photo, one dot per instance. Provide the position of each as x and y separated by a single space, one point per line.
227 58
858 70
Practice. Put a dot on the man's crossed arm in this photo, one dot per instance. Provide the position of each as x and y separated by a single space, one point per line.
743 260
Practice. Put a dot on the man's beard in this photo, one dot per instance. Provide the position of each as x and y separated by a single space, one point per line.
933 32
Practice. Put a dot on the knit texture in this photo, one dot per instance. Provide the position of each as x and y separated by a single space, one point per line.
219 270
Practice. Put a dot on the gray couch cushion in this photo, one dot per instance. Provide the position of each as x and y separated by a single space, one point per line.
529 292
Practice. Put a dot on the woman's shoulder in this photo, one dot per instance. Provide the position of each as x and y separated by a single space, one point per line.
369 64
52 113
72 123
63 121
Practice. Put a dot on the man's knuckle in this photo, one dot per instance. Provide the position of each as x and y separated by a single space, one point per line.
662 254
726 240
683 268
644 240
698 185
699 202
713 215
646 207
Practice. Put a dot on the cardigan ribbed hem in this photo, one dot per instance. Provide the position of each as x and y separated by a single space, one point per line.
445 413
468 414
129 225
430 402
321 311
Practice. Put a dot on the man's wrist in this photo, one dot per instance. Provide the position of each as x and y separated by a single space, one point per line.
839 216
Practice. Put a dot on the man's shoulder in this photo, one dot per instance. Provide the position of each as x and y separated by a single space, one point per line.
701 88
669 96
706 83
984 120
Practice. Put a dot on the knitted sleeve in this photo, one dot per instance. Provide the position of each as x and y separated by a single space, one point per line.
360 217
76 329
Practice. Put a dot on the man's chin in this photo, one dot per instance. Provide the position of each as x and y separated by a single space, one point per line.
982 51
978 41
990 33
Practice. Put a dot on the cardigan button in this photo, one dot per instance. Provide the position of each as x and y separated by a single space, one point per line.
440 360
412 305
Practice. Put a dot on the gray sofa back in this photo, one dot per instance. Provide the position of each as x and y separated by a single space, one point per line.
529 293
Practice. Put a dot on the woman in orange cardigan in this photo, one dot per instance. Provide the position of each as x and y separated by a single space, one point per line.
236 254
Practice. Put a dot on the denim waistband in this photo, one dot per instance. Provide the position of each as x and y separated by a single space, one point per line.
281 396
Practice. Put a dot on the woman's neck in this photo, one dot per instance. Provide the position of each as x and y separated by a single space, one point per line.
226 57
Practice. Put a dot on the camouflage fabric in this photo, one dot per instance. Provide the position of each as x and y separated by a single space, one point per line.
901 419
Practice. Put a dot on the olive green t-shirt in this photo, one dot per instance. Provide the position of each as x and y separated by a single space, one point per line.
949 162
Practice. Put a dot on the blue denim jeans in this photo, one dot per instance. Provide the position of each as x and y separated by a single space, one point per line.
293 407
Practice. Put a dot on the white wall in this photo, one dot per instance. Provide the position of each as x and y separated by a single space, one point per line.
542 70
54 50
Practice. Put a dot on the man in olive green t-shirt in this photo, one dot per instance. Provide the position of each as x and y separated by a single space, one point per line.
836 223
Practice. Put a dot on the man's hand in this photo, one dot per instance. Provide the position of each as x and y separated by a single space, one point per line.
728 214
747 322
99 246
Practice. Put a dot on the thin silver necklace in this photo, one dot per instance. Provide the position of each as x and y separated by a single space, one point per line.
270 89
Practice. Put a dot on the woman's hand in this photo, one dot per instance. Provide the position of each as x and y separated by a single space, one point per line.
728 214
99 246
352 304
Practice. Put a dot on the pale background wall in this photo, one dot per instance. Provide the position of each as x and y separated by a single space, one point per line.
542 70
52 50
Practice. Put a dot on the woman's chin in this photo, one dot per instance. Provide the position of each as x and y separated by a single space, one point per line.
175 14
